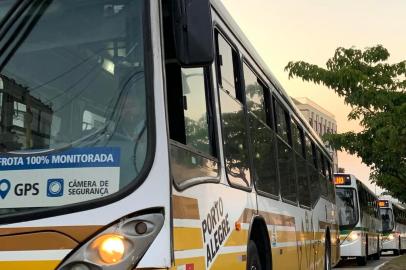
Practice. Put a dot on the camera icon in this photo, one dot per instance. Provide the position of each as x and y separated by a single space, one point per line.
55 187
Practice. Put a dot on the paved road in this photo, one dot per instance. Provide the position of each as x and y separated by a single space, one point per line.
352 264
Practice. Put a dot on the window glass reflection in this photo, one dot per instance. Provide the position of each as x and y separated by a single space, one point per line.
263 141
303 181
254 92
226 63
195 109
234 139
286 171
281 122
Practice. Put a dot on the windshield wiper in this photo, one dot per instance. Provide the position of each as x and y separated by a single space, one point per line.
17 25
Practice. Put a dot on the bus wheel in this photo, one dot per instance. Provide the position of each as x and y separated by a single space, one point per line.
396 252
253 260
327 256
377 255
362 260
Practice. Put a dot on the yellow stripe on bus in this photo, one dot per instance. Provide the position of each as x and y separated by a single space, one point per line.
285 236
235 261
187 238
237 238
285 257
31 265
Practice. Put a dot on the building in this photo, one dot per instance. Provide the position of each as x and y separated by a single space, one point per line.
321 120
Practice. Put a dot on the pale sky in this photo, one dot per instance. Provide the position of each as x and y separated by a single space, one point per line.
311 30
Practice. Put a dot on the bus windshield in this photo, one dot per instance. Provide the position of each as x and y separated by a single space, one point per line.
347 207
387 219
73 113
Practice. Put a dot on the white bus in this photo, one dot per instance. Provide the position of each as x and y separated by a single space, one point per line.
149 134
359 219
393 227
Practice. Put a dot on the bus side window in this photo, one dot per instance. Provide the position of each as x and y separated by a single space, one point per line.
282 122
330 184
285 155
301 166
262 135
311 168
227 62
322 171
191 125
363 198
232 116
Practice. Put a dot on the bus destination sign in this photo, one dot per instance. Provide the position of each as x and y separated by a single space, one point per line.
383 203
342 180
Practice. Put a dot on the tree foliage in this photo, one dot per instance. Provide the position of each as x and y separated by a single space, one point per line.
376 92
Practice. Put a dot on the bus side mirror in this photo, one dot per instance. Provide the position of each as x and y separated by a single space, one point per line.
193 32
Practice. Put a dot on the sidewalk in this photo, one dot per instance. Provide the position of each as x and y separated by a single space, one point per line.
396 264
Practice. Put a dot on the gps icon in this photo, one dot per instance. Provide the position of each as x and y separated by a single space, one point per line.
4 188
55 187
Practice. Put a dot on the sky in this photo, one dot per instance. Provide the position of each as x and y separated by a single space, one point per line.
311 30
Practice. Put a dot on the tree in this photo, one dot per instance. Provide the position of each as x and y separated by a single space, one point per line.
376 92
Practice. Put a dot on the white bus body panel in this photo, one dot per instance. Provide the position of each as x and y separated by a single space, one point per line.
390 244
353 249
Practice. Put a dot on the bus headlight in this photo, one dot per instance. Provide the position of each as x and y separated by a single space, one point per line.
119 246
391 237
110 248
353 236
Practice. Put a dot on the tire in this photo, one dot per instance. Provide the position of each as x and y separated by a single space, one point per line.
362 260
396 252
400 246
253 260
327 256
377 255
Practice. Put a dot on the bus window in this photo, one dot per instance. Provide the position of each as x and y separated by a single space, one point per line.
320 163
190 125
78 56
330 185
227 73
297 139
282 122
311 159
195 111
233 119
256 97
285 155
322 171
301 167
262 137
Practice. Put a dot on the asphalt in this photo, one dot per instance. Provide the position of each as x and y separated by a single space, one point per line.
371 265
